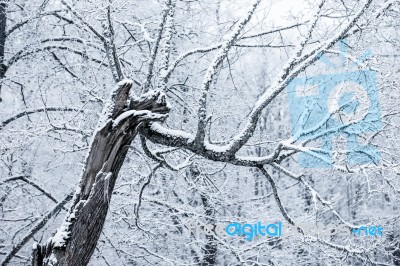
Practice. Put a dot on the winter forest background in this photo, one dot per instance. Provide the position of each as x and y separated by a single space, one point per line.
223 154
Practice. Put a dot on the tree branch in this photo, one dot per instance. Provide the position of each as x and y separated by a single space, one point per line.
211 72
154 50
39 225
33 184
38 110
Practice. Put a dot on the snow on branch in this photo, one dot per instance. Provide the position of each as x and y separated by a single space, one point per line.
166 47
154 51
276 196
24 22
76 14
38 225
289 72
143 114
212 69
33 184
314 21
116 102
175 63
26 52
38 110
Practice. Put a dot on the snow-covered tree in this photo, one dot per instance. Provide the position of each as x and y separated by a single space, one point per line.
185 114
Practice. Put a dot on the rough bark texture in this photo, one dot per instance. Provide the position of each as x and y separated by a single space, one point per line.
3 23
211 247
84 222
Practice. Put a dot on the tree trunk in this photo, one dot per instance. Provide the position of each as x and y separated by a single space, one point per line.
211 247
3 23
74 242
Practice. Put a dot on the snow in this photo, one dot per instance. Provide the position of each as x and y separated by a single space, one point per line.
109 104
106 186
126 115
63 232
215 148
190 52
186 163
146 34
166 47
62 235
52 259
122 82
172 132
145 113
149 95
32 145
253 158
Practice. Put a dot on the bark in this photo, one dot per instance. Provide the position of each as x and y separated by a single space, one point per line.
76 239
3 23
211 247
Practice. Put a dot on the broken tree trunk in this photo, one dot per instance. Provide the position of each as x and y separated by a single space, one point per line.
74 242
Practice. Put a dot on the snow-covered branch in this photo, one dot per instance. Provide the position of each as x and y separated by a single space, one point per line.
212 70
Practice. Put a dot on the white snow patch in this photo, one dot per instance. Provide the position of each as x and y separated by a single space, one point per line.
109 104
216 148
52 259
62 235
106 186
149 95
144 113
124 81
172 132
146 34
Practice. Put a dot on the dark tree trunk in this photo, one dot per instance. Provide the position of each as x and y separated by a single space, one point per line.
76 239
3 23
211 247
